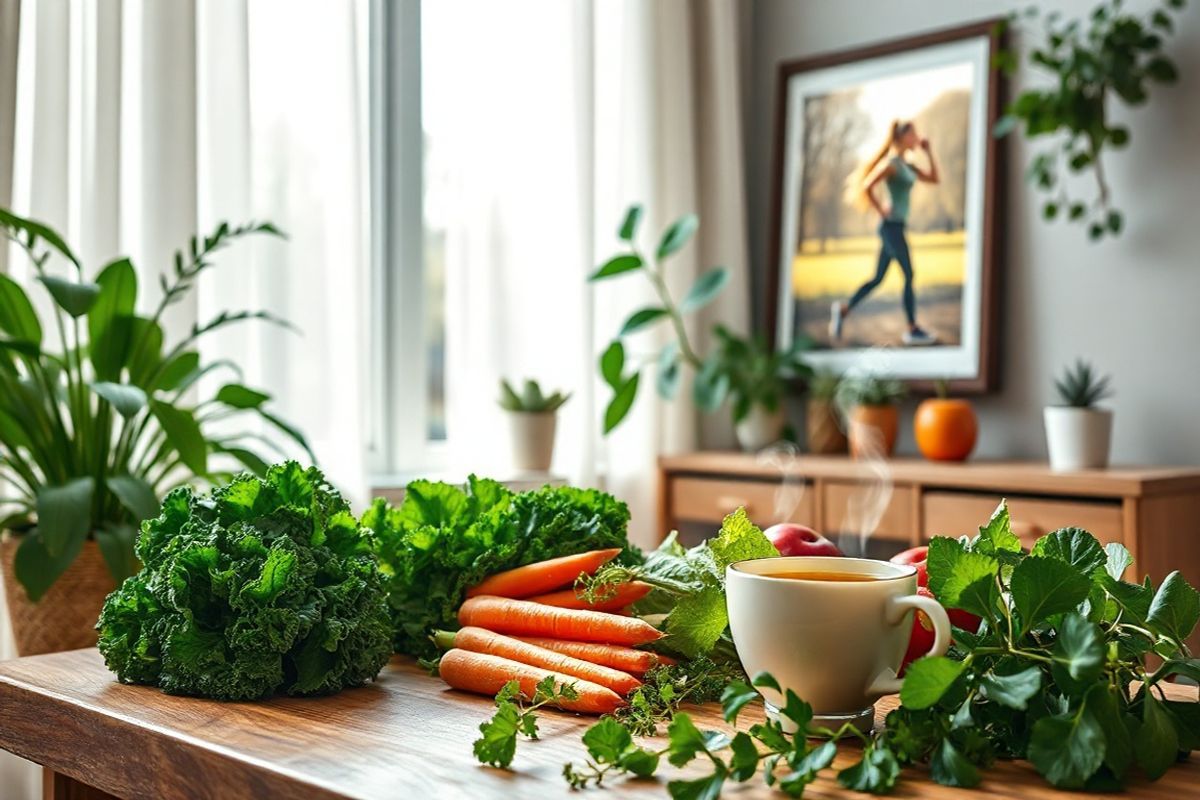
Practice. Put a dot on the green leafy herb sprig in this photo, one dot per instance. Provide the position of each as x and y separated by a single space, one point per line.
664 689
515 714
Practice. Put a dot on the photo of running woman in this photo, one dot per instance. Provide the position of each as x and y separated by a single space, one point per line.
893 168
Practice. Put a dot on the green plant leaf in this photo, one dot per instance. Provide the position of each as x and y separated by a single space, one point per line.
949 767
1078 654
629 225
1075 546
687 741
116 546
145 350
17 317
35 229
997 536
1067 749
706 788
74 298
1042 587
612 364
607 740
669 372
620 404
1004 126
65 514
1116 560
248 458
36 569
237 396
1175 608
1102 703
704 290
1015 690
127 400
108 321
710 387
744 761
970 584
135 495
677 235
1156 744
176 371
875 773
736 696
617 265
641 318
184 434
291 432
928 679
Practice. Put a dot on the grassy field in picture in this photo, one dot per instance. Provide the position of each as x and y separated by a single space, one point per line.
938 258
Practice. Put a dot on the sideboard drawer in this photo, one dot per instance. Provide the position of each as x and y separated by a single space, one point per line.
850 506
955 514
710 500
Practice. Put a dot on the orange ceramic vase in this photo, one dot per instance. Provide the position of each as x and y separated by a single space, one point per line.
945 429
873 430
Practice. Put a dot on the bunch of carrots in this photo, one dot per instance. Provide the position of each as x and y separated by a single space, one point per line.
528 623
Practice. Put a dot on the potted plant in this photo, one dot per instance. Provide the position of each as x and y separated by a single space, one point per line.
758 378
945 427
533 417
823 421
873 416
1077 433
94 433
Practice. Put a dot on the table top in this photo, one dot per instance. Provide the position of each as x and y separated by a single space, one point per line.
1007 476
405 735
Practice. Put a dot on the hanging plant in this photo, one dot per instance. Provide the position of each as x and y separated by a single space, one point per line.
1113 54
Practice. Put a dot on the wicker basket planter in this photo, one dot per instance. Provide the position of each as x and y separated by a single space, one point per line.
65 617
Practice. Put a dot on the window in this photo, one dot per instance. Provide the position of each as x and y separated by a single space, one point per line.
408 245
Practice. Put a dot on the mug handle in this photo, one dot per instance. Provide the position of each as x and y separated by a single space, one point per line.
896 609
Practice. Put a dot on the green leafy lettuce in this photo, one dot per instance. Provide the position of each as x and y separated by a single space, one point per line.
443 538
264 586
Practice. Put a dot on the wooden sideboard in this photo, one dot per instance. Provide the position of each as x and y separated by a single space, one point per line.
1153 511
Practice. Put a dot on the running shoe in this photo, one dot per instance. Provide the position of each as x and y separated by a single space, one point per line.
835 321
917 337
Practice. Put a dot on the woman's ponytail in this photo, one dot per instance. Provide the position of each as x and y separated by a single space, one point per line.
856 183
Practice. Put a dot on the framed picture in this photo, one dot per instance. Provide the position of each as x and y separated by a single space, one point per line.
886 206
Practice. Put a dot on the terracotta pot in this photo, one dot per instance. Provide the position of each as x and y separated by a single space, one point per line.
65 617
873 430
824 428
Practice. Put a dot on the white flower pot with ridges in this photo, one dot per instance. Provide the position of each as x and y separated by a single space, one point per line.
760 427
1078 438
533 439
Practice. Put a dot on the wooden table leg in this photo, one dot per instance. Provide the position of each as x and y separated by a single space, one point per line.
56 786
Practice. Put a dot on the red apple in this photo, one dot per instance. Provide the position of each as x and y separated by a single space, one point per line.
791 539
921 641
916 557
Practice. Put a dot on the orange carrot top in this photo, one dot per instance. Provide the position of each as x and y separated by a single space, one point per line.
544 576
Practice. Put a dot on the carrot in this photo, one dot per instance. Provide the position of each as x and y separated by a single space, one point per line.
626 593
486 674
523 618
544 576
478 640
610 655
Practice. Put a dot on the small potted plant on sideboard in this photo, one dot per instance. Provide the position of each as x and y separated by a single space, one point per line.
874 416
823 423
98 421
1078 434
533 418
758 377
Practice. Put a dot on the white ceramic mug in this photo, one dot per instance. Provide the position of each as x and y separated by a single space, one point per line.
836 644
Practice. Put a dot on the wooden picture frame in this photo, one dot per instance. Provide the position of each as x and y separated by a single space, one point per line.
967 357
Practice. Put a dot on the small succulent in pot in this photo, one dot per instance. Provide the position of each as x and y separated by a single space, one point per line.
1078 434
533 418
870 404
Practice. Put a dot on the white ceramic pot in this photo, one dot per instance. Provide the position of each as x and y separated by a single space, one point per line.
533 439
1078 438
760 428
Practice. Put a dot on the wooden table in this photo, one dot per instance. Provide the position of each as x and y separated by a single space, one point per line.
406 736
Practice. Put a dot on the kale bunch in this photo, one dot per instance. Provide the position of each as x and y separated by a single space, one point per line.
264 586
444 539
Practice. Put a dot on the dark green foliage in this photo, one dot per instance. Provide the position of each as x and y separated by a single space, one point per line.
1113 54
1081 387
531 399
263 586
443 539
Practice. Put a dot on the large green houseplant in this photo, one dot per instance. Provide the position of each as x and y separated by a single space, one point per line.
100 417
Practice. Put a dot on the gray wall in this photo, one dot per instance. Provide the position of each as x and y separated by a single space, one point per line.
1132 304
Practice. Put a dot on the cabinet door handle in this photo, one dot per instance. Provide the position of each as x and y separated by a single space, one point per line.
727 504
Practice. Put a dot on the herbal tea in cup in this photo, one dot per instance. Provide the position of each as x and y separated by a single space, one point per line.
833 630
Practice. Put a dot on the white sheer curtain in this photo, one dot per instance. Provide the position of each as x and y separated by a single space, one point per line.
554 117
139 123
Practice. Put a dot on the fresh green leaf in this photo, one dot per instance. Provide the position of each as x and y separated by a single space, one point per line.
176 371
617 265
706 788
607 741
736 696
1013 690
184 434
669 372
970 584
686 741
108 320
1103 704
74 298
1176 608
677 235
621 403
1156 743
127 400
17 317
135 495
641 318
116 546
1078 654
1075 546
612 364
1045 586
34 566
1067 749
629 225
710 386
744 762
950 768
875 773
1116 560
238 396
65 514
928 679
704 290
997 536
498 744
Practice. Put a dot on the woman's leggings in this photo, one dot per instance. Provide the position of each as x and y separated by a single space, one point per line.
893 245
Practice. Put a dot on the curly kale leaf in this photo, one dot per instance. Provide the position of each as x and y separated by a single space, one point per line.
264 586
443 539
